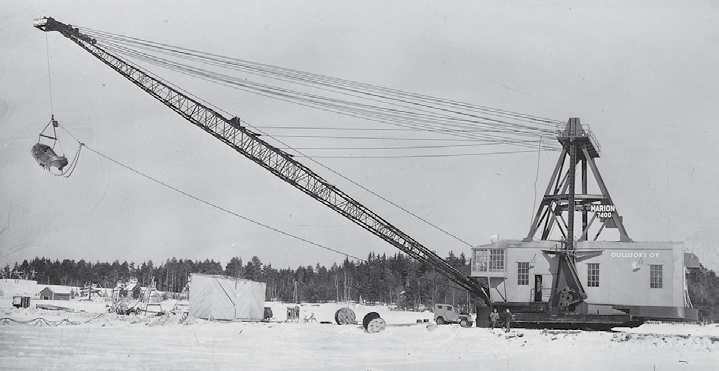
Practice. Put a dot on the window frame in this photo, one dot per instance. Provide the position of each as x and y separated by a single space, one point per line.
522 273
593 274
656 281
490 260
496 260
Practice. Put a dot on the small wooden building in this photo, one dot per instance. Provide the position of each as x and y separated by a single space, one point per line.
49 293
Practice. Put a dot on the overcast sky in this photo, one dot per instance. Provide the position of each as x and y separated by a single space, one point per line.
642 75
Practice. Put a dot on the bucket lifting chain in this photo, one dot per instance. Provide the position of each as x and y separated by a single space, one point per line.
45 154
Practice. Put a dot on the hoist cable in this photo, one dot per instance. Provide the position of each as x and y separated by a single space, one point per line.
211 204
49 79
378 195
71 167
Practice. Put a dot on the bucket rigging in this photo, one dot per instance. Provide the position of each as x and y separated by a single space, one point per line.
46 156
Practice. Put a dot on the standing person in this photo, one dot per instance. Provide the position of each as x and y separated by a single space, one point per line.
494 317
507 319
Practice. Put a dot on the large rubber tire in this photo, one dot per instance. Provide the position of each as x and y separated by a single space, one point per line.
465 323
369 317
440 320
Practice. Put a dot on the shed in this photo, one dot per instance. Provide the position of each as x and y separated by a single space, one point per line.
226 298
49 293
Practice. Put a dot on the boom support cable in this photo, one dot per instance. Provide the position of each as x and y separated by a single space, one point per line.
379 113
429 114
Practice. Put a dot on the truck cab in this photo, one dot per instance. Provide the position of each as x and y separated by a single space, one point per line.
19 301
448 313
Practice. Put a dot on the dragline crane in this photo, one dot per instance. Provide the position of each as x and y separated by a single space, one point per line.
281 164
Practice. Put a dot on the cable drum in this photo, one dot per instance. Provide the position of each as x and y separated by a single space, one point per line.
345 316
372 323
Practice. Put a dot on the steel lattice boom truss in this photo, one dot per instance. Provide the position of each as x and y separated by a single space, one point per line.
278 162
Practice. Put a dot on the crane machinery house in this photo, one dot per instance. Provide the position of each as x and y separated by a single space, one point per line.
573 279
643 279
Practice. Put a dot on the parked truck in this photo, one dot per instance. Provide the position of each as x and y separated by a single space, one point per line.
447 313
19 301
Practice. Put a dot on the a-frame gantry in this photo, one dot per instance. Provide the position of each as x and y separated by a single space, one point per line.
562 201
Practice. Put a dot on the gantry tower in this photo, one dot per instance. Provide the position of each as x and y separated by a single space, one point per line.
562 201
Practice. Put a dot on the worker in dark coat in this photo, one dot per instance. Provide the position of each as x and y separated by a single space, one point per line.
494 318
507 319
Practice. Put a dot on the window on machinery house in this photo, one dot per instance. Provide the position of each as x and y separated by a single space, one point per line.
496 260
488 260
655 277
593 275
522 273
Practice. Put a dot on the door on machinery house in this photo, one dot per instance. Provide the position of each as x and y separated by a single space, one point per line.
537 287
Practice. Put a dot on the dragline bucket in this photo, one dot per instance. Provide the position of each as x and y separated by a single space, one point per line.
47 158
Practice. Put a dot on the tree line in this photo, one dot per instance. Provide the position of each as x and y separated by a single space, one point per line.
395 279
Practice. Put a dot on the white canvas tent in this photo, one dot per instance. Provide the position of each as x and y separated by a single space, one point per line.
226 298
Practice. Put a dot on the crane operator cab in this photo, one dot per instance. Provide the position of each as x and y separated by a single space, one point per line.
44 154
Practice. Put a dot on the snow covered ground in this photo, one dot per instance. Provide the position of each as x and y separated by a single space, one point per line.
96 340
